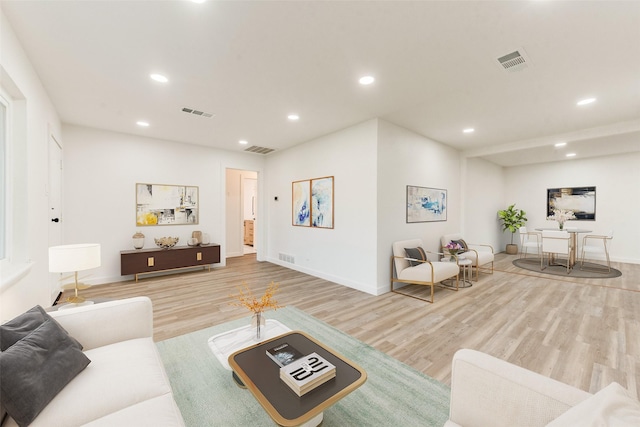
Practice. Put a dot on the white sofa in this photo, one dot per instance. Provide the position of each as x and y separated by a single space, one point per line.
125 384
489 392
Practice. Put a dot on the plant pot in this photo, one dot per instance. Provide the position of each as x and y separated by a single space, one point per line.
512 249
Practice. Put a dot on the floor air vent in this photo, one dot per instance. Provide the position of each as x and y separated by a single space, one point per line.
196 112
514 61
259 150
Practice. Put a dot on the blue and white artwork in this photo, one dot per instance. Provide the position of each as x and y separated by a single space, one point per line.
426 204
322 202
301 202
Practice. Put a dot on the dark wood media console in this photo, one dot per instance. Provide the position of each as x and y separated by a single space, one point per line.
143 261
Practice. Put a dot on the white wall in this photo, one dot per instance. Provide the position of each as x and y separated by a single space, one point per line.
483 197
345 254
25 282
406 158
101 169
616 179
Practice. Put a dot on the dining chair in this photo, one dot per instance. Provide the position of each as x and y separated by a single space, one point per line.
529 240
595 244
555 242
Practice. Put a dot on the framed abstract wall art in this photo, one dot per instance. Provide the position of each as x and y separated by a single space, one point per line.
301 203
159 204
312 202
426 204
580 200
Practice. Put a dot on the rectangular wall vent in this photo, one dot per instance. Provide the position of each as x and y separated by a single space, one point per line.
197 112
287 258
514 61
259 150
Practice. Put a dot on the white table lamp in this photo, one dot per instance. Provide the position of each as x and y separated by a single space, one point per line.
74 258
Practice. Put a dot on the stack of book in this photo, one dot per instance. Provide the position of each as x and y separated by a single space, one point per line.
307 373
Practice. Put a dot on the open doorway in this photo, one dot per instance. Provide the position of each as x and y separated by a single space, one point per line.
241 212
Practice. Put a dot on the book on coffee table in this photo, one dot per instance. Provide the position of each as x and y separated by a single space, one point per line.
283 354
307 373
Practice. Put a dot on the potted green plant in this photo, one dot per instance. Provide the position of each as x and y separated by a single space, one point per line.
512 219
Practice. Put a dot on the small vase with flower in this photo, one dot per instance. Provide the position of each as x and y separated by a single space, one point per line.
453 248
257 306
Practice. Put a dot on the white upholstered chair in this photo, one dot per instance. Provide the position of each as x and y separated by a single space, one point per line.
480 255
530 241
416 271
598 245
555 242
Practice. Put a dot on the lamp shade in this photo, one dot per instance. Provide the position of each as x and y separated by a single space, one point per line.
78 257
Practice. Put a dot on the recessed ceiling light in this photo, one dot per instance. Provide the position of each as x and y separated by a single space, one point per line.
293 117
586 101
159 78
142 124
243 142
560 144
571 154
366 80
469 130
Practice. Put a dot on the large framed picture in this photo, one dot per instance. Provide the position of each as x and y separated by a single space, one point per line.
160 204
426 204
312 202
580 200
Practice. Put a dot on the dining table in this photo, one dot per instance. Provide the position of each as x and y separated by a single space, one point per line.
573 233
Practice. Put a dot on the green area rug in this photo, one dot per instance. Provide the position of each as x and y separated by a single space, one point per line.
394 394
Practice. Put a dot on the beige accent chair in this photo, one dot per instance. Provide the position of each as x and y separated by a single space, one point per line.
555 242
423 272
529 240
479 254
594 244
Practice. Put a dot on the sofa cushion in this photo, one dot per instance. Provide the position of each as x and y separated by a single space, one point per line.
612 407
120 375
415 253
36 368
159 411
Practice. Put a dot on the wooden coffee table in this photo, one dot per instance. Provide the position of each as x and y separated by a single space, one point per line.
261 376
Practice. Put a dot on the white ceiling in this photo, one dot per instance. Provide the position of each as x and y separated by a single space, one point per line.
251 63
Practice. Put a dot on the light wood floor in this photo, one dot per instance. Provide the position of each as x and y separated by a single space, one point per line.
582 332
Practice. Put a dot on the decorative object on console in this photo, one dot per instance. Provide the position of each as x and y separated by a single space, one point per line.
245 298
561 216
138 240
512 219
66 258
426 204
166 242
580 200
158 204
198 236
205 239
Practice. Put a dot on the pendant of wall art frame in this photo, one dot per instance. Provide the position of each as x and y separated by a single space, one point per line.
312 202
426 204
159 204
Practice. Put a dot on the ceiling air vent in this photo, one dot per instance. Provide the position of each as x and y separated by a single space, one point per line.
259 150
196 112
514 61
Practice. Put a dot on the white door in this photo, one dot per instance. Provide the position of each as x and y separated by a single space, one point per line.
54 195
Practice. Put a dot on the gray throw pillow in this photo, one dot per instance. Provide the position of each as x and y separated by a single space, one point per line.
415 253
19 327
36 368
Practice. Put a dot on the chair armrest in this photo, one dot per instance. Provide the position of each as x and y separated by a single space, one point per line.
109 322
486 391
480 247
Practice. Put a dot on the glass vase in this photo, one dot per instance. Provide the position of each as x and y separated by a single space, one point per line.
561 225
258 322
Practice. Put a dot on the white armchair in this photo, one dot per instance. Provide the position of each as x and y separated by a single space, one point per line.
489 392
419 270
480 254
